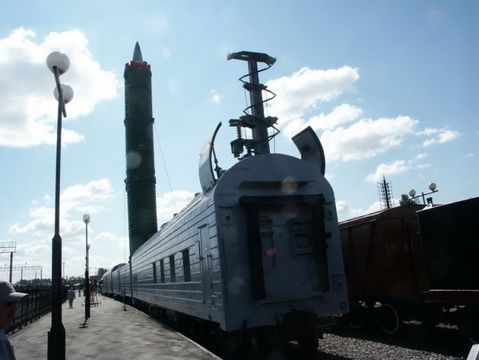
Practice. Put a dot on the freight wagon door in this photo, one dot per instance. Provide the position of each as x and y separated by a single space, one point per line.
286 248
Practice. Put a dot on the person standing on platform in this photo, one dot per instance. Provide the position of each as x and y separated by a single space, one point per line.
70 297
8 307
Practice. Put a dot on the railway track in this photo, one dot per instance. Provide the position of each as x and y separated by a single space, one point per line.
341 342
413 343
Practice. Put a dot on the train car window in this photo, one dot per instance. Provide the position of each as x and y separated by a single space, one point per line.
162 271
172 269
154 273
186 265
167 269
135 282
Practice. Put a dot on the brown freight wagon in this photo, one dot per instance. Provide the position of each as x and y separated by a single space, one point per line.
399 268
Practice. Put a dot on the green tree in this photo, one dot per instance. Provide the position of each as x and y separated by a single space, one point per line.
406 201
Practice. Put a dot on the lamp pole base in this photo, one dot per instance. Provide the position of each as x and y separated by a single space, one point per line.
56 344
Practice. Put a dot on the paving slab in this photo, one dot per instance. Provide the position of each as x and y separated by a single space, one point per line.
111 333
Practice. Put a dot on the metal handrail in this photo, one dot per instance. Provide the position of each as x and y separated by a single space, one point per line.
34 306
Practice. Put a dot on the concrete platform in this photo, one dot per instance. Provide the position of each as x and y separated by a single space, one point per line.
112 333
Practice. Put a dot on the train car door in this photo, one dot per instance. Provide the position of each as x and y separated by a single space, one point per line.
287 248
205 262
285 258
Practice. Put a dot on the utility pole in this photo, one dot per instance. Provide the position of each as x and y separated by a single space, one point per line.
9 247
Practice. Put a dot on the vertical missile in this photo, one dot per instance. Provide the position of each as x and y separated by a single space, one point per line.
140 168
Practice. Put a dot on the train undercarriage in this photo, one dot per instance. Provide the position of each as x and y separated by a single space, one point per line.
391 316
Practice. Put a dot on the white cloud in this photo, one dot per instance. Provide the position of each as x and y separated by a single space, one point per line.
74 200
32 249
394 168
166 53
28 109
306 88
35 235
157 24
298 105
375 206
87 196
423 166
341 114
215 97
105 243
98 257
366 138
346 212
293 127
105 237
421 156
106 248
173 86
171 203
438 136
41 226
98 261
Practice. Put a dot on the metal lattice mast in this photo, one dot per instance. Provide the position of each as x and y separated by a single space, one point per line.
9 247
385 193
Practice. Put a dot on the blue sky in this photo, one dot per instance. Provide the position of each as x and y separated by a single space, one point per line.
390 88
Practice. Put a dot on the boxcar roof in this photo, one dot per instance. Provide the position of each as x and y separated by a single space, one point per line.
381 214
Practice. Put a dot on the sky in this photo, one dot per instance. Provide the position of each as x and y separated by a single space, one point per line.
390 87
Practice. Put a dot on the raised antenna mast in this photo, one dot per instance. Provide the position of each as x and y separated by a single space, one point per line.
255 120
385 193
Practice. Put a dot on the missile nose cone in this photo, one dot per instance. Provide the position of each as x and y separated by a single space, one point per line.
137 57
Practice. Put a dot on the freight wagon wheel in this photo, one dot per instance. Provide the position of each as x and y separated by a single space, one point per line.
388 319
356 317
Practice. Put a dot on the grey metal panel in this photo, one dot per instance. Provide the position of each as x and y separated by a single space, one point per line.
310 148
207 177
282 176
180 234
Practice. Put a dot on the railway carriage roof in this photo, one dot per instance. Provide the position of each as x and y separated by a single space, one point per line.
385 213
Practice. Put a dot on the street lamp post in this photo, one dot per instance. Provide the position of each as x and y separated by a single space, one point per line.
58 63
86 220
432 186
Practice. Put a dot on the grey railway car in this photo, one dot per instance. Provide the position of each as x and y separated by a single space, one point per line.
111 280
259 245
258 250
